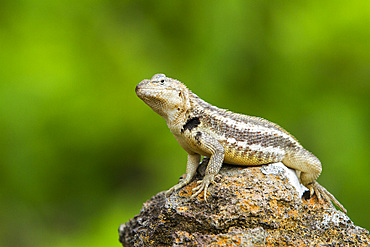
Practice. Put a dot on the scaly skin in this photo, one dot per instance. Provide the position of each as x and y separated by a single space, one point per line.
223 136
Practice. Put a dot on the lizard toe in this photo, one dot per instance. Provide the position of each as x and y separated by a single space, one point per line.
203 186
198 190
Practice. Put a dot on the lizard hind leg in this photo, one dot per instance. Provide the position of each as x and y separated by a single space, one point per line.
307 165
310 168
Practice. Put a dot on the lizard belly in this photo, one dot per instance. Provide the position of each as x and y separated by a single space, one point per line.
252 155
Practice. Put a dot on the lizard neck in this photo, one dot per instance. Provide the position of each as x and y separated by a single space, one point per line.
179 118
176 120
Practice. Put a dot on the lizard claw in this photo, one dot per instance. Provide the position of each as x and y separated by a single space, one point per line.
176 187
203 186
168 192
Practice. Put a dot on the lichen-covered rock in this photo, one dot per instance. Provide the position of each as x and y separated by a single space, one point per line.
249 206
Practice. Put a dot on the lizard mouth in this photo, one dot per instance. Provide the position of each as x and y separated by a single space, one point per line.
143 91
146 90
147 94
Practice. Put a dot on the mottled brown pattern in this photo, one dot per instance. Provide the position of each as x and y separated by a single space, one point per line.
246 208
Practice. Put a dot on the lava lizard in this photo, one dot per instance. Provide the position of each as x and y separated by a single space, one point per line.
205 130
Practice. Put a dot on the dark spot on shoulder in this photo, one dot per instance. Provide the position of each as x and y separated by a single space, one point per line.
197 137
191 124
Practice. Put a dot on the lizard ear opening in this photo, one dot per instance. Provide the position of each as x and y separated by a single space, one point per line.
184 95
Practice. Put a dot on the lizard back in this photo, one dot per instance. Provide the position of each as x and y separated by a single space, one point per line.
247 140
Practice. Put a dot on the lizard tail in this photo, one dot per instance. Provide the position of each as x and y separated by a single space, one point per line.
320 192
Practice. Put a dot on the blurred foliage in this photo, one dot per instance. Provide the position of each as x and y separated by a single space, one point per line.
80 152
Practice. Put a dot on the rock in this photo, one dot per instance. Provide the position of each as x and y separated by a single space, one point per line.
249 206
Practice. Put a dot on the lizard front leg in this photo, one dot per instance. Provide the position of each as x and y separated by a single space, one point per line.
217 153
191 168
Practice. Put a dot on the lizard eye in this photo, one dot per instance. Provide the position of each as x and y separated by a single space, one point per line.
160 82
158 78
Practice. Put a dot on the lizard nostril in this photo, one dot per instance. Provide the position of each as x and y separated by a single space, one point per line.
137 88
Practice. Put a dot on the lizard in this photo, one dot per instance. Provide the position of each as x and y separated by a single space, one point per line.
202 129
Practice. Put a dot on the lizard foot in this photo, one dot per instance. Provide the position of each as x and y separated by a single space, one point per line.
323 194
176 187
203 186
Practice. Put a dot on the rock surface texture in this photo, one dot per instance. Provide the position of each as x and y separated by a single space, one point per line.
253 206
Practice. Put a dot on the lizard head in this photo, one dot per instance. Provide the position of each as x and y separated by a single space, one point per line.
166 96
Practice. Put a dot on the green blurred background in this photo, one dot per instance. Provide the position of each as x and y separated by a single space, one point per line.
80 152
